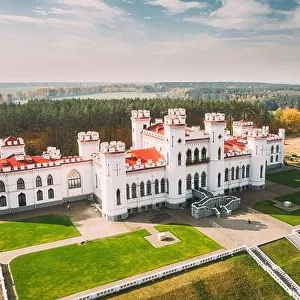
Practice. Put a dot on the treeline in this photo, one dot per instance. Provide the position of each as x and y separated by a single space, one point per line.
43 123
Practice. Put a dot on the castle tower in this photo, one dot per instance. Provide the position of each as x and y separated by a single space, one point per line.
281 134
257 143
113 181
140 119
215 127
88 143
174 126
11 145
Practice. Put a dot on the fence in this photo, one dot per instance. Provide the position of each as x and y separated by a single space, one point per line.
272 269
160 275
2 284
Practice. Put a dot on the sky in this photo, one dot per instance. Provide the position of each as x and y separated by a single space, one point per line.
150 40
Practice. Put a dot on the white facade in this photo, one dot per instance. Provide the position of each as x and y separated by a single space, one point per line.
167 161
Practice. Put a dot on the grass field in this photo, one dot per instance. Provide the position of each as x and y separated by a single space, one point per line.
267 207
235 278
295 198
37 230
287 256
66 270
290 178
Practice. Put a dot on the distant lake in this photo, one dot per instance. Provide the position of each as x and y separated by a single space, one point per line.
116 95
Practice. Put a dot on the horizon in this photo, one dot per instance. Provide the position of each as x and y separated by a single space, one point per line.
130 41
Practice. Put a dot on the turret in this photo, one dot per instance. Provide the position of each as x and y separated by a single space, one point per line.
257 143
88 143
215 126
113 178
174 127
140 119
11 145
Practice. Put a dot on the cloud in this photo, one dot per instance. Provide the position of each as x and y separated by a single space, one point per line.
235 15
45 21
176 6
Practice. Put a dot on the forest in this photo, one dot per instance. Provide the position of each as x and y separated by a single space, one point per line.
46 122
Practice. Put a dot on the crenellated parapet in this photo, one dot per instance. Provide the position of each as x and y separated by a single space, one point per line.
215 117
175 116
88 136
140 113
112 147
51 153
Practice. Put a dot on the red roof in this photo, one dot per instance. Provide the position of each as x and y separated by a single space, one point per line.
158 128
144 155
11 161
234 146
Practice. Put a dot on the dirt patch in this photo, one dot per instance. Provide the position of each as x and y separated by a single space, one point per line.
292 147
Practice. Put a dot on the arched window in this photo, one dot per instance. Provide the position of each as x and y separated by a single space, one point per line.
179 187
118 196
219 153
179 159
142 189
127 191
3 201
196 155
203 179
133 190
196 181
49 180
167 182
219 179
237 172
22 199
271 158
162 185
38 181
203 153
74 180
276 157
261 171
232 173
248 171
188 182
50 194
148 187
20 184
39 195
272 149
156 186
277 148
189 156
226 174
2 186
243 171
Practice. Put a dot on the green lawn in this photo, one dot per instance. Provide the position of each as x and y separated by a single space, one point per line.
285 255
37 230
295 198
54 273
290 178
267 207
236 278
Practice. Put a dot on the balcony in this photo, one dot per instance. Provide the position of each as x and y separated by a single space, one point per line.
197 161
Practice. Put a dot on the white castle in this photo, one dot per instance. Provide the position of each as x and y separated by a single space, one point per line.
167 163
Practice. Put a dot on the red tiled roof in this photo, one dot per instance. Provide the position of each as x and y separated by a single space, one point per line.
158 128
11 161
234 145
144 155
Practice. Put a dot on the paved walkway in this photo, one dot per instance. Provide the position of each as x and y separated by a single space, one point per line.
95 289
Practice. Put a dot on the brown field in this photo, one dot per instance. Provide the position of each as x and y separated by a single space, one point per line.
292 145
